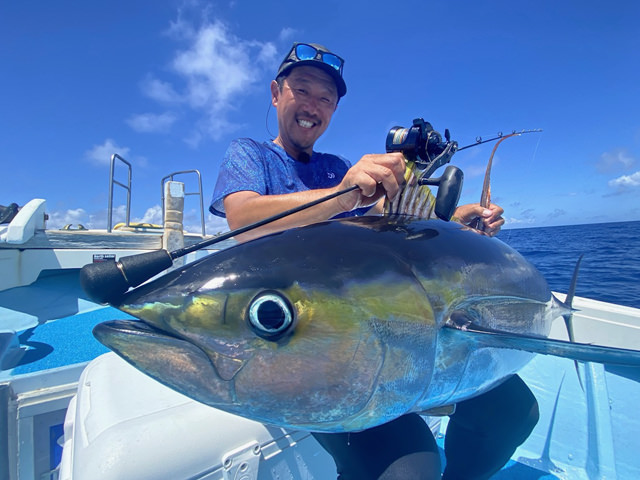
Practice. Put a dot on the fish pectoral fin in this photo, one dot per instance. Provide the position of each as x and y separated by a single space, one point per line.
577 351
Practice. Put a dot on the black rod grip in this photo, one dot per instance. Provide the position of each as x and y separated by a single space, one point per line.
107 282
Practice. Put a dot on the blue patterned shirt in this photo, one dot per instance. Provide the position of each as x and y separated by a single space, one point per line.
267 169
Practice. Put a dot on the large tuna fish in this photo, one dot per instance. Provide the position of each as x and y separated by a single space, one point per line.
346 324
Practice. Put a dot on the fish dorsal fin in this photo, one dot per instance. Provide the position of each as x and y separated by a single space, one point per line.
577 351
412 199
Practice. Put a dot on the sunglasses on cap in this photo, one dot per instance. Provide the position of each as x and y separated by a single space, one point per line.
304 51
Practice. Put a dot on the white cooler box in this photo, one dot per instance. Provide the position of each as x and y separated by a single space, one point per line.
123 425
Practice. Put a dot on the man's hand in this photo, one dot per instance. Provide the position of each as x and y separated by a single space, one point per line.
491 216
376 175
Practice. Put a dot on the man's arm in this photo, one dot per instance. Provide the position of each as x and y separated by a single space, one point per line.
375 175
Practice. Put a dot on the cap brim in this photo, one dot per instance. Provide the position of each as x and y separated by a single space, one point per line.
332 72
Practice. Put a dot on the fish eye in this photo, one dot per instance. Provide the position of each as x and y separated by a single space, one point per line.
270 315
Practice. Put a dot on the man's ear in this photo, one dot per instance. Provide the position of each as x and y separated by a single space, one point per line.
275 93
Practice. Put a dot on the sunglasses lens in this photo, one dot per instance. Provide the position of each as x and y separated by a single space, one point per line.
305 52
332 60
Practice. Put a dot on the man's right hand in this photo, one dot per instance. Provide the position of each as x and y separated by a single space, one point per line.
376 175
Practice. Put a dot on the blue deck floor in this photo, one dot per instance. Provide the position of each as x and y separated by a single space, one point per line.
61 342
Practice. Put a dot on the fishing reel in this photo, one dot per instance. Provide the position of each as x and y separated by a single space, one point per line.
422 145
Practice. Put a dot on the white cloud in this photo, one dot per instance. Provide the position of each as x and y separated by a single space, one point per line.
153 215
626 181
160 91
101 154
526 216
218 66
214 127
617 160
152 123
73 217
214 72
287 34
214 224
79 216
519 221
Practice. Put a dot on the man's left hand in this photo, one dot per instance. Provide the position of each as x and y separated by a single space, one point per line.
490 216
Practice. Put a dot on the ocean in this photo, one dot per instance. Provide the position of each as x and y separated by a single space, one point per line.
610 269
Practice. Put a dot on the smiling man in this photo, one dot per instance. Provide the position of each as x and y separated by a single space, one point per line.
261 179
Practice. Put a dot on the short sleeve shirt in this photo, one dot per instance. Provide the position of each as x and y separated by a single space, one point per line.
267 169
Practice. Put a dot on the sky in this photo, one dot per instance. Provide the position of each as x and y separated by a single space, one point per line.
167 85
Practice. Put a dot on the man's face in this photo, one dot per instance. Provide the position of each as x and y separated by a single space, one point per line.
305 105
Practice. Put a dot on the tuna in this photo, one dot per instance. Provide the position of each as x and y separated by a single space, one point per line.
345 324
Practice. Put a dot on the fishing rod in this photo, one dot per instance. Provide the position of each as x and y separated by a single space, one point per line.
107 282
480 140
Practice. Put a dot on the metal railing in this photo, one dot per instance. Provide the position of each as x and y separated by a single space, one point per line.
127 187
199 193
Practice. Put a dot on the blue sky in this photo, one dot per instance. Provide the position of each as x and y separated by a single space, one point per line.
168 84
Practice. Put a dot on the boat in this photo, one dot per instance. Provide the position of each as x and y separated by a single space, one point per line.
69 409
46 318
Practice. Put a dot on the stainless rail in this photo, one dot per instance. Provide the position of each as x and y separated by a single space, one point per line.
127 187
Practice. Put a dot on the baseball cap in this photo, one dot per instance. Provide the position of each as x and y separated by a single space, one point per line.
318 56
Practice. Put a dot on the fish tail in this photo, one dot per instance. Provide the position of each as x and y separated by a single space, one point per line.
568 302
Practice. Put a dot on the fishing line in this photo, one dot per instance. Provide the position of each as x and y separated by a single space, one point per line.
526 173
535 152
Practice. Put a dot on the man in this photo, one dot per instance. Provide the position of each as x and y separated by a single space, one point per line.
258 180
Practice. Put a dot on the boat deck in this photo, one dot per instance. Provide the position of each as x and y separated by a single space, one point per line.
584 431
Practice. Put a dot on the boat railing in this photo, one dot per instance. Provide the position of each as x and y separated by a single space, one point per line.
170 177
112 181
127 187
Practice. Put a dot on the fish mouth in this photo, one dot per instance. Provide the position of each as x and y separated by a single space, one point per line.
175 362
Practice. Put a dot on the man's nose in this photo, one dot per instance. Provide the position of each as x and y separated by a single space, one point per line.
312 103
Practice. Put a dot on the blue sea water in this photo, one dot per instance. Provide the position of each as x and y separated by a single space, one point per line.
610 269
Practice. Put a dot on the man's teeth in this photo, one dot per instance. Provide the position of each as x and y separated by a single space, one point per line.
305 123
